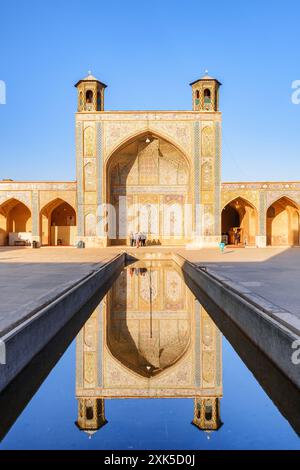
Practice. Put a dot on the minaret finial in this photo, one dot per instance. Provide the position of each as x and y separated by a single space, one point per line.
89 72
206 72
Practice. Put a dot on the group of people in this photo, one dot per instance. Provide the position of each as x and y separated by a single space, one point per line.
138 239
137 271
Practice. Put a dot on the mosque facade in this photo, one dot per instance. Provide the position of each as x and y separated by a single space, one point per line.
153 171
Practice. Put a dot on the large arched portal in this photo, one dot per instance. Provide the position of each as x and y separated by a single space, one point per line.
283 223
58 223
148 185
15 223
239 222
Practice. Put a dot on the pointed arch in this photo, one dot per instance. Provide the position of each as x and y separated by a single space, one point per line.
55 202
282 222
144 133
239 222
140 170
242 198
286 197
15 222
12 201
58 223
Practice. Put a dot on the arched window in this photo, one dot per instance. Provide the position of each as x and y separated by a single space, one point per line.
89 96
208 414
197 94
89 413
207 96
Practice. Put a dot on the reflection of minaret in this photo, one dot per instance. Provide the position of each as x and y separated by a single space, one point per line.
208 353
91 414
207 414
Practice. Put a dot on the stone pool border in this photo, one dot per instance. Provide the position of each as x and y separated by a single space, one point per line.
28 337
270 327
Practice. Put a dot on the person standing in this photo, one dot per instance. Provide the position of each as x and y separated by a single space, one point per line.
143 238
131 238
236 237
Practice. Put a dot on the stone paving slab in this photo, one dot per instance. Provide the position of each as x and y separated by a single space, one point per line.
271 273
30 278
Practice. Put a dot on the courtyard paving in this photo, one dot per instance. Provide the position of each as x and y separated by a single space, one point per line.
31 277
27 275
272 273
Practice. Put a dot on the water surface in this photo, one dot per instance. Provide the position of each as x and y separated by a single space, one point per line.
150 370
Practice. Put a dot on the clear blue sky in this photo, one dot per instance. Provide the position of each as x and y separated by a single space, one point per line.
148 52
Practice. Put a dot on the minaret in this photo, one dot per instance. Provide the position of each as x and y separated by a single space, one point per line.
207 414
91 414
206 94
90 94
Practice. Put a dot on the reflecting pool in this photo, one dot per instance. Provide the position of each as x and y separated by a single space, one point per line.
150 369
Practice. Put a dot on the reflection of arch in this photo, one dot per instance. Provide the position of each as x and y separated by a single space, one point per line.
15 218
140 170
240 221
283 222
58 223
148 343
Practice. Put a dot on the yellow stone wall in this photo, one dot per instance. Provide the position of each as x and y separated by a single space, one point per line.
270 211
100 138
284 224
26 206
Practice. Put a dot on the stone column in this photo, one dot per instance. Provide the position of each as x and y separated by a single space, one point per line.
261 238
79 171
217 208
35 204
100 207
197 166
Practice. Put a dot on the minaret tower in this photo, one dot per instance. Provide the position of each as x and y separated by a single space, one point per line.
206 93
89 158
90 94
207 161
207 414
91 414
